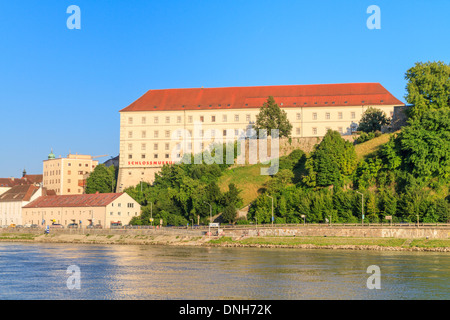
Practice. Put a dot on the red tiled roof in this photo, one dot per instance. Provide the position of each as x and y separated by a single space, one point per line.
78 200
19 193
11 182
347 94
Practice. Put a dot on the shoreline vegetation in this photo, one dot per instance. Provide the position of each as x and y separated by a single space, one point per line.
296 242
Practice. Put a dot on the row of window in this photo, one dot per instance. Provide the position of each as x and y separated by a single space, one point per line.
248 118
69 164
190 119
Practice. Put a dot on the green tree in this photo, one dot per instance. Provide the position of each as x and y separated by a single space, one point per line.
272 117
102 180
372 120
423 147
332 159
428 88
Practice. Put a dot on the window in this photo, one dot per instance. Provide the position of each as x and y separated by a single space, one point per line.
69 172
130 134
339 115
143 156
298 116
314 130
155 134
224 133
190 119
155 146
314 115
167 133
213 118
144 120
155 156
353 115
236 132
130 120
167 146
143 146
130 205
167 119
166 156
178 119
340 130
247 117
327 116
236 117
224 118
297 131
144 134
155 120
130 147
202 119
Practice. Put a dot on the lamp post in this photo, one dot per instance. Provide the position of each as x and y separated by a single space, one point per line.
210 217
272 207
362 207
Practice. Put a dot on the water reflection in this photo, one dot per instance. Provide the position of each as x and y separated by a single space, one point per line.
38 271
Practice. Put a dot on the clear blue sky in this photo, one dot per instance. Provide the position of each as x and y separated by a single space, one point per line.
63 89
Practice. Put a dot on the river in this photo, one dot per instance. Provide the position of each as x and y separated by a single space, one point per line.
33 271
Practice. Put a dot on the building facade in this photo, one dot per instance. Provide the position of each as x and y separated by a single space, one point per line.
86 210
12 201
162 125
67 175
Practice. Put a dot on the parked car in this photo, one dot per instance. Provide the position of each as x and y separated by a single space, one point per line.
27 225
72 226
57 226
34 226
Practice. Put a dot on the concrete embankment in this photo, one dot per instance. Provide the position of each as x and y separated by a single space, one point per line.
303 237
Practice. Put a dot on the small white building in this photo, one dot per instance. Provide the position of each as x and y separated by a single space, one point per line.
12 201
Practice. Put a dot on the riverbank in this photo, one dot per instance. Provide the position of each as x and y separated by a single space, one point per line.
304 242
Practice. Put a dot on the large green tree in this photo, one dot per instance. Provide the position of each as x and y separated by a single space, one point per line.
272 117
428 87
372 120
423 147
332 159
102 180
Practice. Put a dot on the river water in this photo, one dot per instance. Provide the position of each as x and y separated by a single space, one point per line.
40 271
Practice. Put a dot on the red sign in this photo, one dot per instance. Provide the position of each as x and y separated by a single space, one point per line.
149 163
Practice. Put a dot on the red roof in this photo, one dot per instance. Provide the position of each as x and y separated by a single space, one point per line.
347 94
77 200
19 193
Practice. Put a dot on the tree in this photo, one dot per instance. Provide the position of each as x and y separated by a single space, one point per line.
229 213
102 180
423 147
428 88
272 117
372 120
332 159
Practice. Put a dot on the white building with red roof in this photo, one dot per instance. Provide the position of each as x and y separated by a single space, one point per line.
99 209
153 128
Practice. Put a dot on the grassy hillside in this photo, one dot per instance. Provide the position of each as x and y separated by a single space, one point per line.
248 178
366 148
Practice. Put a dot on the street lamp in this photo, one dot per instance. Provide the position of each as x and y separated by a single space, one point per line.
362 207
210 217
272 207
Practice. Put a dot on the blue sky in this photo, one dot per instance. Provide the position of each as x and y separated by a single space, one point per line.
63 89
